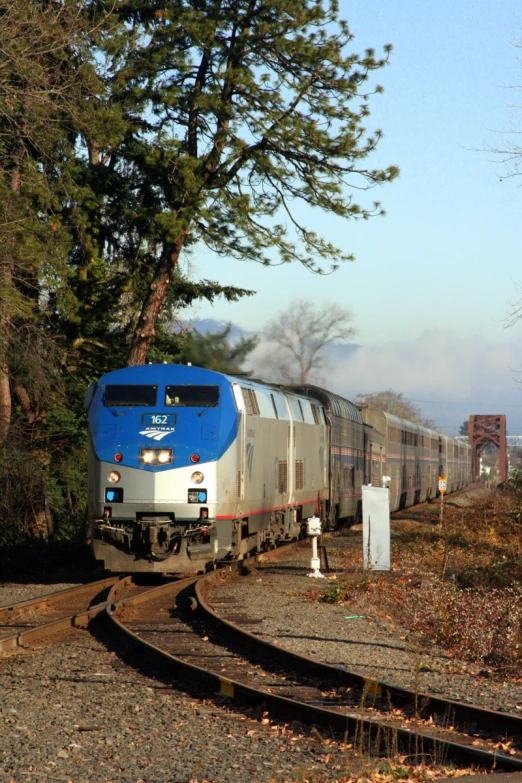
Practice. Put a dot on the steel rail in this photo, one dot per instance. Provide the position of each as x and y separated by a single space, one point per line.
423 703
380 734
50 599
29 636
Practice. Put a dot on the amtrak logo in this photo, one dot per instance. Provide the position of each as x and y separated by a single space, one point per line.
155 434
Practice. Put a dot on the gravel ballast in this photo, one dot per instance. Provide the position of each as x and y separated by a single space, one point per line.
76 713
12 593
274 594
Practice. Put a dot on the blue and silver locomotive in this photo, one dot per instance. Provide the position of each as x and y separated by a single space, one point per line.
188 466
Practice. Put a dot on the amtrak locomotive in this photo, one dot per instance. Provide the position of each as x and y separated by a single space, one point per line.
188 466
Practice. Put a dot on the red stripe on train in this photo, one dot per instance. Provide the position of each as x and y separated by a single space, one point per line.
265 510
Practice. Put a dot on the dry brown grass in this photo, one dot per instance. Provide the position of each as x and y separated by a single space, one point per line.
458 585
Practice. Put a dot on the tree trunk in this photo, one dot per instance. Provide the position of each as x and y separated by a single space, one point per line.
25 402
146 327
48 516
6 286
6 271
38 528
5 402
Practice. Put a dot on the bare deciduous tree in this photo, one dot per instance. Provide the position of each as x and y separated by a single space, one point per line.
301 334
397 404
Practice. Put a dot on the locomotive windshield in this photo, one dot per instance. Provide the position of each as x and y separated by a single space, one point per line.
130 394
192 396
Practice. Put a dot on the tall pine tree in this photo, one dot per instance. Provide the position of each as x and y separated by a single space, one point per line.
241 110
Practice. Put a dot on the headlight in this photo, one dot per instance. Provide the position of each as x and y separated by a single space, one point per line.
197 477
156 456
114 476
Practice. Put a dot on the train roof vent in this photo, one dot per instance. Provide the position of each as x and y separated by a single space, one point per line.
333 403
251 403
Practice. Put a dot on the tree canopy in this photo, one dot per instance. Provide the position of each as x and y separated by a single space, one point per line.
398 405
298 338
463 429
216 350
235 113
132 134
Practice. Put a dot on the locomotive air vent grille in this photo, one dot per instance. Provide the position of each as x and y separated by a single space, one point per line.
251 404
282 476
239 483
299 474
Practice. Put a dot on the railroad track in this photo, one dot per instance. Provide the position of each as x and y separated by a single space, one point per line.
215 655
173 624
28 623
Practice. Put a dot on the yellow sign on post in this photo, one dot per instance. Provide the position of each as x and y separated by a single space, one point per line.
442 489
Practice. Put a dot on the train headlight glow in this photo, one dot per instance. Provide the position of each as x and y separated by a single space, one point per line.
155 457
114 476
197 477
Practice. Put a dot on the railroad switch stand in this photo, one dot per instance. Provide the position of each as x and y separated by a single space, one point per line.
313 529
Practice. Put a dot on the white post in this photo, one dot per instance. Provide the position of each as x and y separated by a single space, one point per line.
313 529
376 536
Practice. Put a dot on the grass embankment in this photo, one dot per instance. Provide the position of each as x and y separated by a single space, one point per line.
457 584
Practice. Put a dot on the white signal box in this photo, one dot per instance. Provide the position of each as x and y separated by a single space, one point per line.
313 526
313 529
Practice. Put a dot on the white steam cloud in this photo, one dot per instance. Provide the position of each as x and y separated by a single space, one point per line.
449 378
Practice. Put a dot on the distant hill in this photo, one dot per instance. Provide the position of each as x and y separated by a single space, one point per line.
212 325
336 352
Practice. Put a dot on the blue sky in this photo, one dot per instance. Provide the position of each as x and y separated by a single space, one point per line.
440 269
